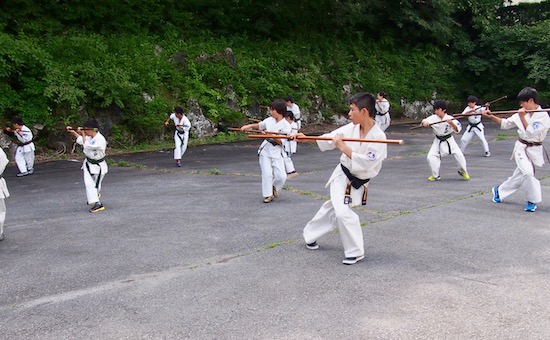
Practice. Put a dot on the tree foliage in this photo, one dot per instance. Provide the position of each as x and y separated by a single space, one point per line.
60 58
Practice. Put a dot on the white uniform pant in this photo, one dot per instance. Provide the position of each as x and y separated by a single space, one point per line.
335 214
93 185
439 150
24 160
524 178
383 121
289 165
181 145
2 214
273 174
467 137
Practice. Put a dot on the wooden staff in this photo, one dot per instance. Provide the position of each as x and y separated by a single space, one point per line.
81 128
314 138
471 112
466 114
495 113
255 131
421 126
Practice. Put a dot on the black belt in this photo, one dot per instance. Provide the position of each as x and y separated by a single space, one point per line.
471 126
381 114
356 183
23 144
444 139
95 161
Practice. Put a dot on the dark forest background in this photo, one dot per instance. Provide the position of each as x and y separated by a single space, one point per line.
62 60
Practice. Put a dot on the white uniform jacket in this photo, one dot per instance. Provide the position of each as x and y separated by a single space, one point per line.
4 193
475 120
366 160
25 137
537 128
94 149
270 124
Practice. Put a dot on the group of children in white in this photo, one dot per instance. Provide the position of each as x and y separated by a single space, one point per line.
362 161
359 162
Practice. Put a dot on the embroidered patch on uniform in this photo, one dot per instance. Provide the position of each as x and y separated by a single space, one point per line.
371 155
536 125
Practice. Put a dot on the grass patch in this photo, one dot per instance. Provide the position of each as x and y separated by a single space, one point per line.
215 172
125 164
504 136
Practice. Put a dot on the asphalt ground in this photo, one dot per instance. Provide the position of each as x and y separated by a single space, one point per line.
194 253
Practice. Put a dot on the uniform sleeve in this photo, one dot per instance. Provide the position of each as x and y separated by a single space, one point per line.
542 123
325 145
80 140
511 122
3 162
186 124
458 125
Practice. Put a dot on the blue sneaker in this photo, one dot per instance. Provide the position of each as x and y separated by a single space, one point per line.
530 206
496 198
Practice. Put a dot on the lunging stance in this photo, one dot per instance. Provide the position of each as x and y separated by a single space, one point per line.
348 183
532 128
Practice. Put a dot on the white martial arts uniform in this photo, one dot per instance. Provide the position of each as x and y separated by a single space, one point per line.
475 126
181 135
296 113
24 154
383 114
4 193
526 157
271 157
444 147
365 163
94 166
290 148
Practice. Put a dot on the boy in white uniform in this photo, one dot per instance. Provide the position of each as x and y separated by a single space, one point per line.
271 150
24 154
382 111
444 143
532 128
292 106
290 146
94 166
4 193
181 136
348 183
475 126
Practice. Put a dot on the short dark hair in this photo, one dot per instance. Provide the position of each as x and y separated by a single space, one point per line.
289 99
289 114
178 109
440 104
91 123
528 93
279 105
382 94
18 121
471 99
364 100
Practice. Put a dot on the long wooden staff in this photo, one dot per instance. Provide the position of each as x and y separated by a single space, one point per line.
516 111
466 114
421 126
314 138
471 112
255 131
81 128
